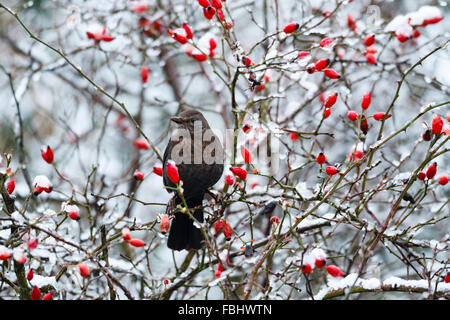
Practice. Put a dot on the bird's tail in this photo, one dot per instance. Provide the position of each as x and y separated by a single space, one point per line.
183 234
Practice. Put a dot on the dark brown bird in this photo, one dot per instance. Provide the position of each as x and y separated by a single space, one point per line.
198 154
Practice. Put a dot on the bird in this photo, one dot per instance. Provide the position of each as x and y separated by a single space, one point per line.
197 171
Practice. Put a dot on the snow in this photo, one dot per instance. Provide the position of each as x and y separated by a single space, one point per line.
318 254
303 190
372 284
18 217
41 281
402 24
42 181
69 208
424 13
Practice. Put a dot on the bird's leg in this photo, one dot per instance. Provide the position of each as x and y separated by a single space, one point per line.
171 205
212 195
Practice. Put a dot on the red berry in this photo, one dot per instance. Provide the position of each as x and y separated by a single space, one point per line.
30 275
188 30
228 25
48 296
218 226
352 115
370 40
326 113
32 244
241 173
326 42
302 54
246 61
84 270
322 64
331 170
139 176
371 49
331 100
334 271
293 136
447 278
165 223
204 3
431 171
126 236
321 158
443 180
172 172
350 21
38 190
367 98
401 37
100 36
274 219
261 87
139 8
35 294
180 38
437 125
331 73
291 27
311 69
212 44
355 155
246 128
219 271
144 74
371 58
74 215
246 155
319 263
227 231
431 21
364 125
306 268
141 143
199 57
209 12
47 154
229 179
10 186
421 175
5 255
380 116
158 171
220 16
136 242
216 4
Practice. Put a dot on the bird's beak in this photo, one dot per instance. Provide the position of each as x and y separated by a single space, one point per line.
177 119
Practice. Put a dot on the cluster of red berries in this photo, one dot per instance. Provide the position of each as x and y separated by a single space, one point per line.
223 226
126 236
430 174
321 65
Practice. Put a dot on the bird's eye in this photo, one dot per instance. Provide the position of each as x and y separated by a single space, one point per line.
192 120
